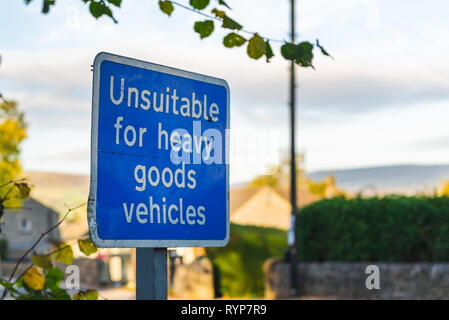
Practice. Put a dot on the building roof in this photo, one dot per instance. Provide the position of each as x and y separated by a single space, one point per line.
303 196
239 196
39 217
265 206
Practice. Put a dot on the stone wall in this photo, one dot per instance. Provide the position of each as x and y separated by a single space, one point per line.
88 268
347 280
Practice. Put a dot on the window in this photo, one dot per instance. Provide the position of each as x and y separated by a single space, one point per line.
25 225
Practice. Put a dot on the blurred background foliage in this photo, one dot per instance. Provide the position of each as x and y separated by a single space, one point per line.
13 130
240 262
387 229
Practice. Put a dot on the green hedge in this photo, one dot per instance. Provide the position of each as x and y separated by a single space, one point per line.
389 229
240 262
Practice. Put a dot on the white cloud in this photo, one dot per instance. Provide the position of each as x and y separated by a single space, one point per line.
380 68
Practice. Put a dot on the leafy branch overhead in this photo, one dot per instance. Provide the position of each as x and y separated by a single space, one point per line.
257 45
97 8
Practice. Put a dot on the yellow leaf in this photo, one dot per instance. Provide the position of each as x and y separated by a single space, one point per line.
256 47
87 246
42 260
64 254
86 295
91 295
219 13
24 189
34 279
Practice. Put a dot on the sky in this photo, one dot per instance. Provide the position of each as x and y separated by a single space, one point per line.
382 100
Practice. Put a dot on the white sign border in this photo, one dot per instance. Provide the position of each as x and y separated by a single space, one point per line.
91 208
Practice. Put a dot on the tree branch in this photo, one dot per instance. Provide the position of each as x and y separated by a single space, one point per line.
11 181
220 20
5 292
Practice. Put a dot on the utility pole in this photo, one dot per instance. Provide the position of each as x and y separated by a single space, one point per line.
292 233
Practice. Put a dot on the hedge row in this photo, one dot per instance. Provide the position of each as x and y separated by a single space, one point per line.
388 229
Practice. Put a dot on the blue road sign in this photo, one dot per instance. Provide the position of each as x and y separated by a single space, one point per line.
159 169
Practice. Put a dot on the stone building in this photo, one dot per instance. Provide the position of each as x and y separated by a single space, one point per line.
266 206
22 227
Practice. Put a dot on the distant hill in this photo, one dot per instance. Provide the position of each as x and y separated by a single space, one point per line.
58 190
389 179
61 191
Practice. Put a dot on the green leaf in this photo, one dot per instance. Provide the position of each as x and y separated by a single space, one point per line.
8 285
228 23
59 294
219 13
19 283
306 54
43 261
24 189
204 28
52 282
34 278
108 12
256 47
116 3
46 4
55 275
87 246
289 51
233 40
269 52
301 53
323 51
96 9
64 254
166 7
199 4
222 3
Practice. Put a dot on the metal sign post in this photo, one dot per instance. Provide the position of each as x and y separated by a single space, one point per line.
159 169
151 274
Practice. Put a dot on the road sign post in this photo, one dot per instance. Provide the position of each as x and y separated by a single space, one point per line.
151 274
159 163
